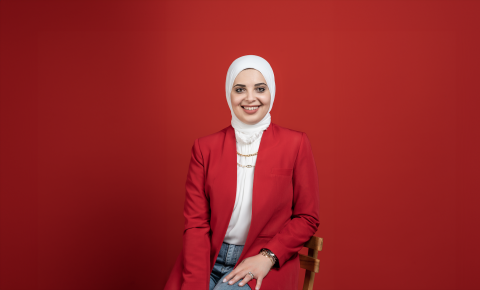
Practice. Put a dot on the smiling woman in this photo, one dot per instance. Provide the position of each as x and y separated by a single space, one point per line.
241 234
250 96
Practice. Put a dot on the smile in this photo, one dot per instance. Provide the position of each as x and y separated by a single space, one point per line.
250 110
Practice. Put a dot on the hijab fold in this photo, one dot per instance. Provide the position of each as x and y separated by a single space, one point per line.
247 132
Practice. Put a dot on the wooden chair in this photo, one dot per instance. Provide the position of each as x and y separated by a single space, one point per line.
310 263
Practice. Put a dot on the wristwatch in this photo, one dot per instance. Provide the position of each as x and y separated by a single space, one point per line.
267 253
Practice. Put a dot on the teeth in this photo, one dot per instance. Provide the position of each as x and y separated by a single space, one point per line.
251 108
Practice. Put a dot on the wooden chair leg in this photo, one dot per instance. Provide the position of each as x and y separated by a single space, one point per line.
311 262
309 279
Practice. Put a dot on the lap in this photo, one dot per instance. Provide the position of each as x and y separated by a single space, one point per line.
225 286
226 260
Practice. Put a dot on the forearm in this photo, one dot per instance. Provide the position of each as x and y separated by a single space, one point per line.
292 237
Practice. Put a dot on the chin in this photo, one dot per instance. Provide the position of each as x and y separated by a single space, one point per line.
251 121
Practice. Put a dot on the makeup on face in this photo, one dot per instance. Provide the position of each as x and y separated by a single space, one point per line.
249 95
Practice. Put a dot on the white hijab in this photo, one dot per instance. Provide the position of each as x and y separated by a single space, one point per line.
245 131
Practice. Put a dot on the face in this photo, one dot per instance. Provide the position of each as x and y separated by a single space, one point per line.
250 96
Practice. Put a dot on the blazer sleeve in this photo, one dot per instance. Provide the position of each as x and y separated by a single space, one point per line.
196 235
306 207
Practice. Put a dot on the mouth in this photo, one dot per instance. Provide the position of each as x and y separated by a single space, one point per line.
250 109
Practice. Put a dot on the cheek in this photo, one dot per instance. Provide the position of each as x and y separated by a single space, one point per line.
266 105
265 99
235 99
234 102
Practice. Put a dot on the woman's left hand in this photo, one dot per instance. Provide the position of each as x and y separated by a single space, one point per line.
259 265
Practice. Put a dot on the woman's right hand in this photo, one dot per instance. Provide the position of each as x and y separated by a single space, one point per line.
258 265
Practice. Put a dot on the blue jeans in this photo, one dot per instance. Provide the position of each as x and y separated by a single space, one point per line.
226 260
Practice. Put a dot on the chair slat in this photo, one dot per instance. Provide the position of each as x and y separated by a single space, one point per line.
309 264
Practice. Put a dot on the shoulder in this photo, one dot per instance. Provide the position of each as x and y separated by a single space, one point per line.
292 135
211 142
213 137
291 139
287 131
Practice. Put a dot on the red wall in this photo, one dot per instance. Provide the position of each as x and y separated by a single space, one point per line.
102 101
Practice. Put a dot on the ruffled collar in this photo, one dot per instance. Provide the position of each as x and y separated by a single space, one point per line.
247 138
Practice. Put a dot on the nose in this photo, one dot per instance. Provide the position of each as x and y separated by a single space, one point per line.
250 97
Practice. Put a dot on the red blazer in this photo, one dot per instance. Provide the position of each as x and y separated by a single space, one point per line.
285 206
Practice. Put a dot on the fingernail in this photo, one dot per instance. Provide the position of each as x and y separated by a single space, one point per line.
240 284
224 280
230 282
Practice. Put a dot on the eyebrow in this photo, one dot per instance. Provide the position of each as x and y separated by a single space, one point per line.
259 84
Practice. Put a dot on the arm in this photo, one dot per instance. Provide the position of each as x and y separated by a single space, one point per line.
306 207
196 235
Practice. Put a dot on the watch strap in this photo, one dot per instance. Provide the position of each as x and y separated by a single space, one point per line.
272 256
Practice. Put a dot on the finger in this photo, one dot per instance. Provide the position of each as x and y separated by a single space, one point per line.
230 275
234 279
245 279
259 283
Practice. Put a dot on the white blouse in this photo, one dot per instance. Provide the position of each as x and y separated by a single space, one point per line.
242 213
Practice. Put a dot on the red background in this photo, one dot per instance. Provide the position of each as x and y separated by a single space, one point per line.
101 103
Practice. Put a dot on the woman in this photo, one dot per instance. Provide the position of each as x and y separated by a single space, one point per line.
241 234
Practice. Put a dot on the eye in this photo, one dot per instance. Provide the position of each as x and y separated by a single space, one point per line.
236 90
261 90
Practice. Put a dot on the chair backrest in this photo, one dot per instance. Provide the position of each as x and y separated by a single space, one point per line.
310 263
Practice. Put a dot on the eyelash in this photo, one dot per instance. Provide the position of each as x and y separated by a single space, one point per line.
236 90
